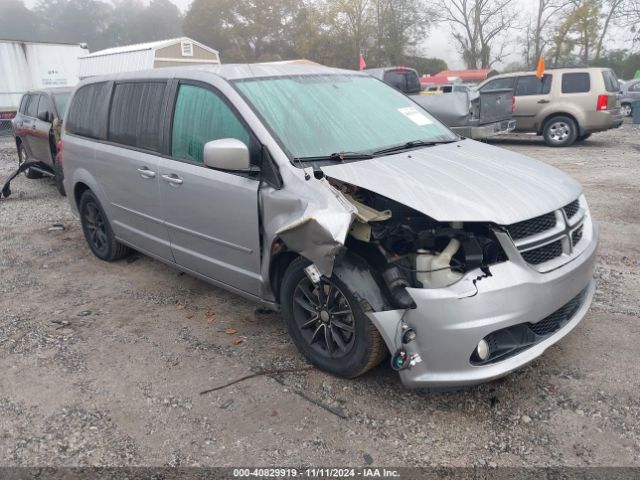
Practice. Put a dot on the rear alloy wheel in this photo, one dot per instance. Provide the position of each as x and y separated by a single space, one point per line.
23 157
97 230
626 110
560 132
328 325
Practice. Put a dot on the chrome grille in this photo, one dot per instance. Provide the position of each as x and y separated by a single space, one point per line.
548 237
531 227
543 254
571 209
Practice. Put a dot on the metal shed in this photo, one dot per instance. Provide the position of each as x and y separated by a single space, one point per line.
174 52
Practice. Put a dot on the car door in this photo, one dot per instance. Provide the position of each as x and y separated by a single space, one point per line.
39 140
532 95
29 125
211 215
128 165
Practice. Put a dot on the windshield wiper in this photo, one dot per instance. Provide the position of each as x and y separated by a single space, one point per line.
411 144
337 156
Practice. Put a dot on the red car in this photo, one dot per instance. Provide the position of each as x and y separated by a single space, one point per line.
36 128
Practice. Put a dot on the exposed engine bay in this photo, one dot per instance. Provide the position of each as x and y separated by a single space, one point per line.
409 249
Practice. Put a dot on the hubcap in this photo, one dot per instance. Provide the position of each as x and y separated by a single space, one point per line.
559 132
324 317
96 229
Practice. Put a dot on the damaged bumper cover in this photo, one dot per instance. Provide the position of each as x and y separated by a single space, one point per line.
450 322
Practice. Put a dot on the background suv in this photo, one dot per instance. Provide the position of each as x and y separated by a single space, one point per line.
36 128
566 105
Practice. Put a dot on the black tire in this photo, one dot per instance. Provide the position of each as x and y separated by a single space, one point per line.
560 131
344 344
23 156
582 138
59 177
97 230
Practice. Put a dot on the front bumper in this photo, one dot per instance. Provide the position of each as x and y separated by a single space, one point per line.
449 322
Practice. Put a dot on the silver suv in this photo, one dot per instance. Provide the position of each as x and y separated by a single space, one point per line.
331 196
566 105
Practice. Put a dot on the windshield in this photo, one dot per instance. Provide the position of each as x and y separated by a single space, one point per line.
316 115
61 100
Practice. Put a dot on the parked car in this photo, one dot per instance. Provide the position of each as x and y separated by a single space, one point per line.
466 112
630 93
36 129
333 197
565 105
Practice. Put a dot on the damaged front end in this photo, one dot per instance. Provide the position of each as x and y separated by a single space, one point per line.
455 302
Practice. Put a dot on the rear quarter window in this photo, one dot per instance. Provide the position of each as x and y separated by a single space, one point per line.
579 82
87 114
23 104
610 81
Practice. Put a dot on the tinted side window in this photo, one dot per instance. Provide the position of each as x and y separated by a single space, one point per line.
87 115
199 117
576 82
134 119
32 108
23 104
44 105
532 85
635 87
499 84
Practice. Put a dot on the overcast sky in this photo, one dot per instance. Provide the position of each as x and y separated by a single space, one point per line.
440 44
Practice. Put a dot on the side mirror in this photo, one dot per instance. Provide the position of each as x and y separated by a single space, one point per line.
226 154
45 117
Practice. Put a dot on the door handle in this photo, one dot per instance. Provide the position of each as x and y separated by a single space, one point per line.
33 127
146 173
544 101
172 179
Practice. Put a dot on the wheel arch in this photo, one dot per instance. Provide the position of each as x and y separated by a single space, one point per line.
78 189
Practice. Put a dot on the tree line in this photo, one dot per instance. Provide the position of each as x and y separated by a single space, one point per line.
334 32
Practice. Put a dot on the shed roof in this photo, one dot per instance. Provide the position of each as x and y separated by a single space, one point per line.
146 46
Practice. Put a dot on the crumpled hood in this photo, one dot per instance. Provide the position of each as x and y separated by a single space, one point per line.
465 181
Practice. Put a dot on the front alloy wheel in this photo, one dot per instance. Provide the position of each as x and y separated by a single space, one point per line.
560 131
328 324
626 110
324 317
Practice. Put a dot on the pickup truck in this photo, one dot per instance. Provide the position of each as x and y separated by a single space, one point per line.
470 114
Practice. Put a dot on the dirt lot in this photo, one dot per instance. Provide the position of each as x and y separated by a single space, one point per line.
102 364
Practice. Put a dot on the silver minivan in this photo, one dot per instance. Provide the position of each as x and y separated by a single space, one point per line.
333 197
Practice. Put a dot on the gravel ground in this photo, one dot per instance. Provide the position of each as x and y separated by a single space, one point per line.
103 363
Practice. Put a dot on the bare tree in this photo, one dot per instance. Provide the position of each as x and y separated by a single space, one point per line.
614 9
478 27
538 35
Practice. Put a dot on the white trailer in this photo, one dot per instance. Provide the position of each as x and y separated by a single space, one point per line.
29 65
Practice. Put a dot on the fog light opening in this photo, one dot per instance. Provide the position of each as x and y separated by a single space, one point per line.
482 350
